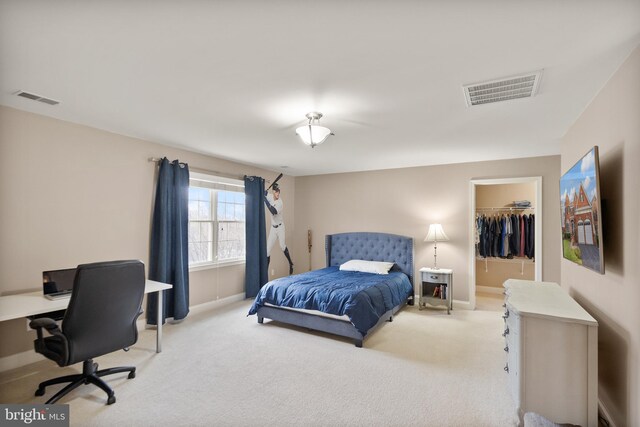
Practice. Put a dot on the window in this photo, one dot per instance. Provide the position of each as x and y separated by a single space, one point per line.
216 220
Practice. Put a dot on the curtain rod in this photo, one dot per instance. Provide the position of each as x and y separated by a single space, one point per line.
208 171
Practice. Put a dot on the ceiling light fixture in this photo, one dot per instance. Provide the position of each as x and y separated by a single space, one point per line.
312 133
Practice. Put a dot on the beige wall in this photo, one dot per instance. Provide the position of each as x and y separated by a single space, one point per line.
71 194
612 122
406 201
502 195
492 272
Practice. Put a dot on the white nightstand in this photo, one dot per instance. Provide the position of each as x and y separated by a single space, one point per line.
436 287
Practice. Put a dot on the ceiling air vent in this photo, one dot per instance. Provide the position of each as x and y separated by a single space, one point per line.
35 97
522 86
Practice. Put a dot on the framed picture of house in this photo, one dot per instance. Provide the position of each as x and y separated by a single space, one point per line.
581 213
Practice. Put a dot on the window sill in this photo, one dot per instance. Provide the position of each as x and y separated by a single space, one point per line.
210 265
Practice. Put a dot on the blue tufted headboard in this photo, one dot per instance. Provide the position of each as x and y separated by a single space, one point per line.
344 247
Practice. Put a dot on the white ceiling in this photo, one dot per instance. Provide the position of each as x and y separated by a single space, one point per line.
234 78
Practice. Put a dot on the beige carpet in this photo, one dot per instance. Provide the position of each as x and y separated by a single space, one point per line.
222 368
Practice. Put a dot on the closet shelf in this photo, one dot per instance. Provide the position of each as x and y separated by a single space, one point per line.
505 208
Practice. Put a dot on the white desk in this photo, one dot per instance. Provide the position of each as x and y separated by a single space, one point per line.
32 303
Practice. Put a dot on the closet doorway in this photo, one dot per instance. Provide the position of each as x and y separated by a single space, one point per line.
495 256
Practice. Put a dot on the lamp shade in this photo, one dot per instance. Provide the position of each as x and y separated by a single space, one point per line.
313 134
436 234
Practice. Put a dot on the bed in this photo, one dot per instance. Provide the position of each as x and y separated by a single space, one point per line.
347 303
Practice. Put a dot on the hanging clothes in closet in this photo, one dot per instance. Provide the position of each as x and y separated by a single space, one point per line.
505 235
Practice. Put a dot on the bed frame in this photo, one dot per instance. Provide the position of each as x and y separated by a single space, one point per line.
339 249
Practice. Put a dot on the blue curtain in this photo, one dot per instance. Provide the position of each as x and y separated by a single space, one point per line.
169 258
256 236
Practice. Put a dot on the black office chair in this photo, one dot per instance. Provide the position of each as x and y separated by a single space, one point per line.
101 318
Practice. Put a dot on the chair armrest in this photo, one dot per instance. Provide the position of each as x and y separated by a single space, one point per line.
44 322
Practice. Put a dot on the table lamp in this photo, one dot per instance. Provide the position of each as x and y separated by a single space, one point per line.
436 234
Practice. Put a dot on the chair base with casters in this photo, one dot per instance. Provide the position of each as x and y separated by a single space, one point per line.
89 375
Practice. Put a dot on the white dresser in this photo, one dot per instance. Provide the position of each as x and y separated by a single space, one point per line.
552 353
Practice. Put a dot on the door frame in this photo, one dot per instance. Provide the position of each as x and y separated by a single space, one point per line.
472 216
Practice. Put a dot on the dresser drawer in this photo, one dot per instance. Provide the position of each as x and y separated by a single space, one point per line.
511 320
514 374
511 348
510 336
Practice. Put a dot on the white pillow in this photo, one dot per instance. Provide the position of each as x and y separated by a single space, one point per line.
376 267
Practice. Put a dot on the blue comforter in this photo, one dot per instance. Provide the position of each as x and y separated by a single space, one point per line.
363 297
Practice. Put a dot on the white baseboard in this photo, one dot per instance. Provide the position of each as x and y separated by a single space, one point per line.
461 305
605 412
216 303
30 356
198 308
489 290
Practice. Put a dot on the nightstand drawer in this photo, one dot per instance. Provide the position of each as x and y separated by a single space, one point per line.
434 277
